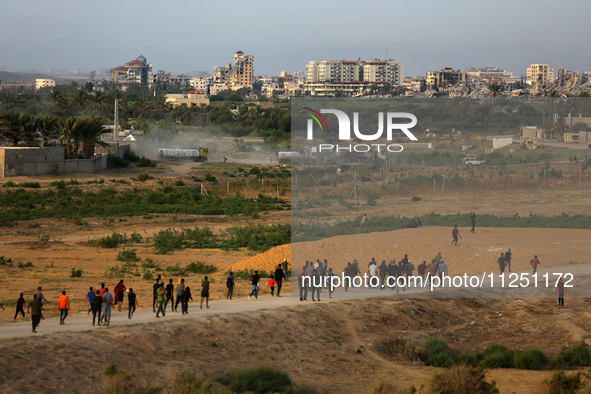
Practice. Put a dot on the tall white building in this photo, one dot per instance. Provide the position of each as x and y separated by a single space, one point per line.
355 71
540 73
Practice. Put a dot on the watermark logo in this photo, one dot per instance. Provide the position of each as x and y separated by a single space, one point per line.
345 124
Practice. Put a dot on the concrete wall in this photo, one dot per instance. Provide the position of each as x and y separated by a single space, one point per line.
499 142
16 161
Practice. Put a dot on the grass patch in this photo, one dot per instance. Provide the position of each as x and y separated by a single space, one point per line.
462 379
259 380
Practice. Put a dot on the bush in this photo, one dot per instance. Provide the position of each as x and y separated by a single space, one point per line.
149 264
577 355
245 274
131 156
135 238
562 383
200 268
148 275
179 183
28 264
463 380
145 162
258 380
128 256
210 178
416 198
470 358
74 273
497 356
10 184
30 185
114 161
187 383
110 241
144 177
530 358
438 353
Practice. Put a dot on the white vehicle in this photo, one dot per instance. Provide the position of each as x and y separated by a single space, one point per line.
473 161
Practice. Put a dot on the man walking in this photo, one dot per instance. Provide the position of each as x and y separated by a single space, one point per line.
98 307
508 256
560 290
90 299
279 276
472 219
119 292
285 267
155 288
230 285
161 295
455 233
169 295
63 305
535 262
20 306
254 285
132 300
180 289
363 223
502 263
41 299
107 304
35 307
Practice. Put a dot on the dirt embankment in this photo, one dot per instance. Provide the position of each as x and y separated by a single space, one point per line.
335 347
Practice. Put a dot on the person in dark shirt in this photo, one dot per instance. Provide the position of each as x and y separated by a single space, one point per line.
230 285
508 256
155 288
185 302
472 219
132 299
205 292
20 306
35 307
455 233
279 276
502 263
255 285
98 307
169 295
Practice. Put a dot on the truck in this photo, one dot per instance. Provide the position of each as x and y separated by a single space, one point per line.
287 157
197 153
473 161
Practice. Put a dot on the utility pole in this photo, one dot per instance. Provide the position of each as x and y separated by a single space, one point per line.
116 119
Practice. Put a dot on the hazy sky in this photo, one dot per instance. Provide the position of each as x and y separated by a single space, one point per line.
185 35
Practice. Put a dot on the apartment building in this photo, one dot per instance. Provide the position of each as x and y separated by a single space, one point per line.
44 83
540 73
354 71
136 71
240 74
445 78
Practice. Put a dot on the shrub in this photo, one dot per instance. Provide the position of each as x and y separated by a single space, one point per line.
245 274
187 383
114 161
470 358
530 358
144 177
257 379
438 353
463 380
200 268
562 383
28 264
144 162
110 241
497 356
74 273
5 262
149 263
30 185
179 183
577 355
128 256
416 198
210 178
10 184
131 156
148 275
135 238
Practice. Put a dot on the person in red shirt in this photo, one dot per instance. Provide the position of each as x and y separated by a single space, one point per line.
119 292
535 262
560 290
271 286
63 305
422 268
455 233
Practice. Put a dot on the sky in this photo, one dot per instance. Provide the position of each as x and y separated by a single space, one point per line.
189 35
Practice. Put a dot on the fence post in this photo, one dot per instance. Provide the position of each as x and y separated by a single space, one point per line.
433 185
228 188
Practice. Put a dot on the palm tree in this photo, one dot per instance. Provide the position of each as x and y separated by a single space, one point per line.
79 97
18 127
143 105
47 128
495 89
82 134
161 105
97 101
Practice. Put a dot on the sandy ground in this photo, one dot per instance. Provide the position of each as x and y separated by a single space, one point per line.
329 347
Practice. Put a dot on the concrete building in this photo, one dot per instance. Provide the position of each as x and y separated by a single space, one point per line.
44 83
500 142
136 71
191 99
445 78
202 83
355 88
389 71
16 161
240 74
540 73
